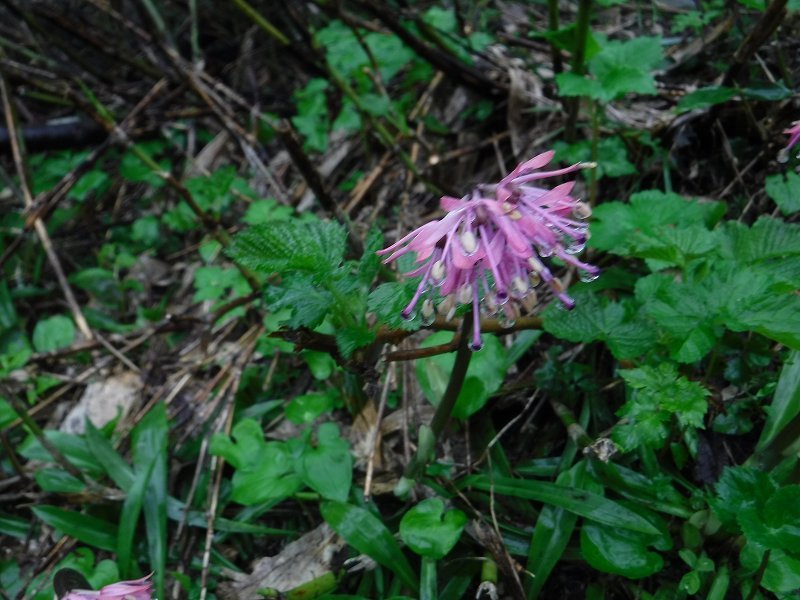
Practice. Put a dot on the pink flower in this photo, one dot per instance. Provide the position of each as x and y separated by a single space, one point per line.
486 251
137 589
794 135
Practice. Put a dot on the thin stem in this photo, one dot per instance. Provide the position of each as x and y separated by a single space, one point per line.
578 59
427 584
552 25
442 415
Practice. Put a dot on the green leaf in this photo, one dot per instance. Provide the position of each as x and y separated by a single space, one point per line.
53 333
129 518
265 211
113 464
8 315
768 238
775 524
13 526
315 247
594 318
388 300
785 405
782 573
149 443
552 533
705 97
264 471
58 480
619 551
784 189
430 531
84 528
350 339
308 407
740 489
309 303
578 501
572 84
367 534
485 375
73 447
619 227
657 395
327 467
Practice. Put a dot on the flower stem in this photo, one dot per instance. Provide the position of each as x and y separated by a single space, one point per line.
430 435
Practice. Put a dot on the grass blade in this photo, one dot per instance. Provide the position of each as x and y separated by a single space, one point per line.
577 501
84 528
367 534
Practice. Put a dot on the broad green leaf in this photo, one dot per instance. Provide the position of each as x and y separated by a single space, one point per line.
782 573
596 319
327 466
705 97
429 530
551 535
73 447
53 333
306 408
367 534
784 189
740 489
785 405
768 238
309 303
350 339
485 374
58 480
84 528
619 551
14 526
776 523
616 226
264 470
315 247
578 501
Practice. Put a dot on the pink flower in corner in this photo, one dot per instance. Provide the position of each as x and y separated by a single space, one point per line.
486 251
137 589
794 135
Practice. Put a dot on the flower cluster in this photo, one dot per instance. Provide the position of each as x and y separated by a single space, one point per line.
137 589
487 250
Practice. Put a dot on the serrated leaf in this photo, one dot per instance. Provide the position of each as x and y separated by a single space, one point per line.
308 302
619 227
388 300
657 395
315 247
349 339
767 238
596 319
370 262
784 189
